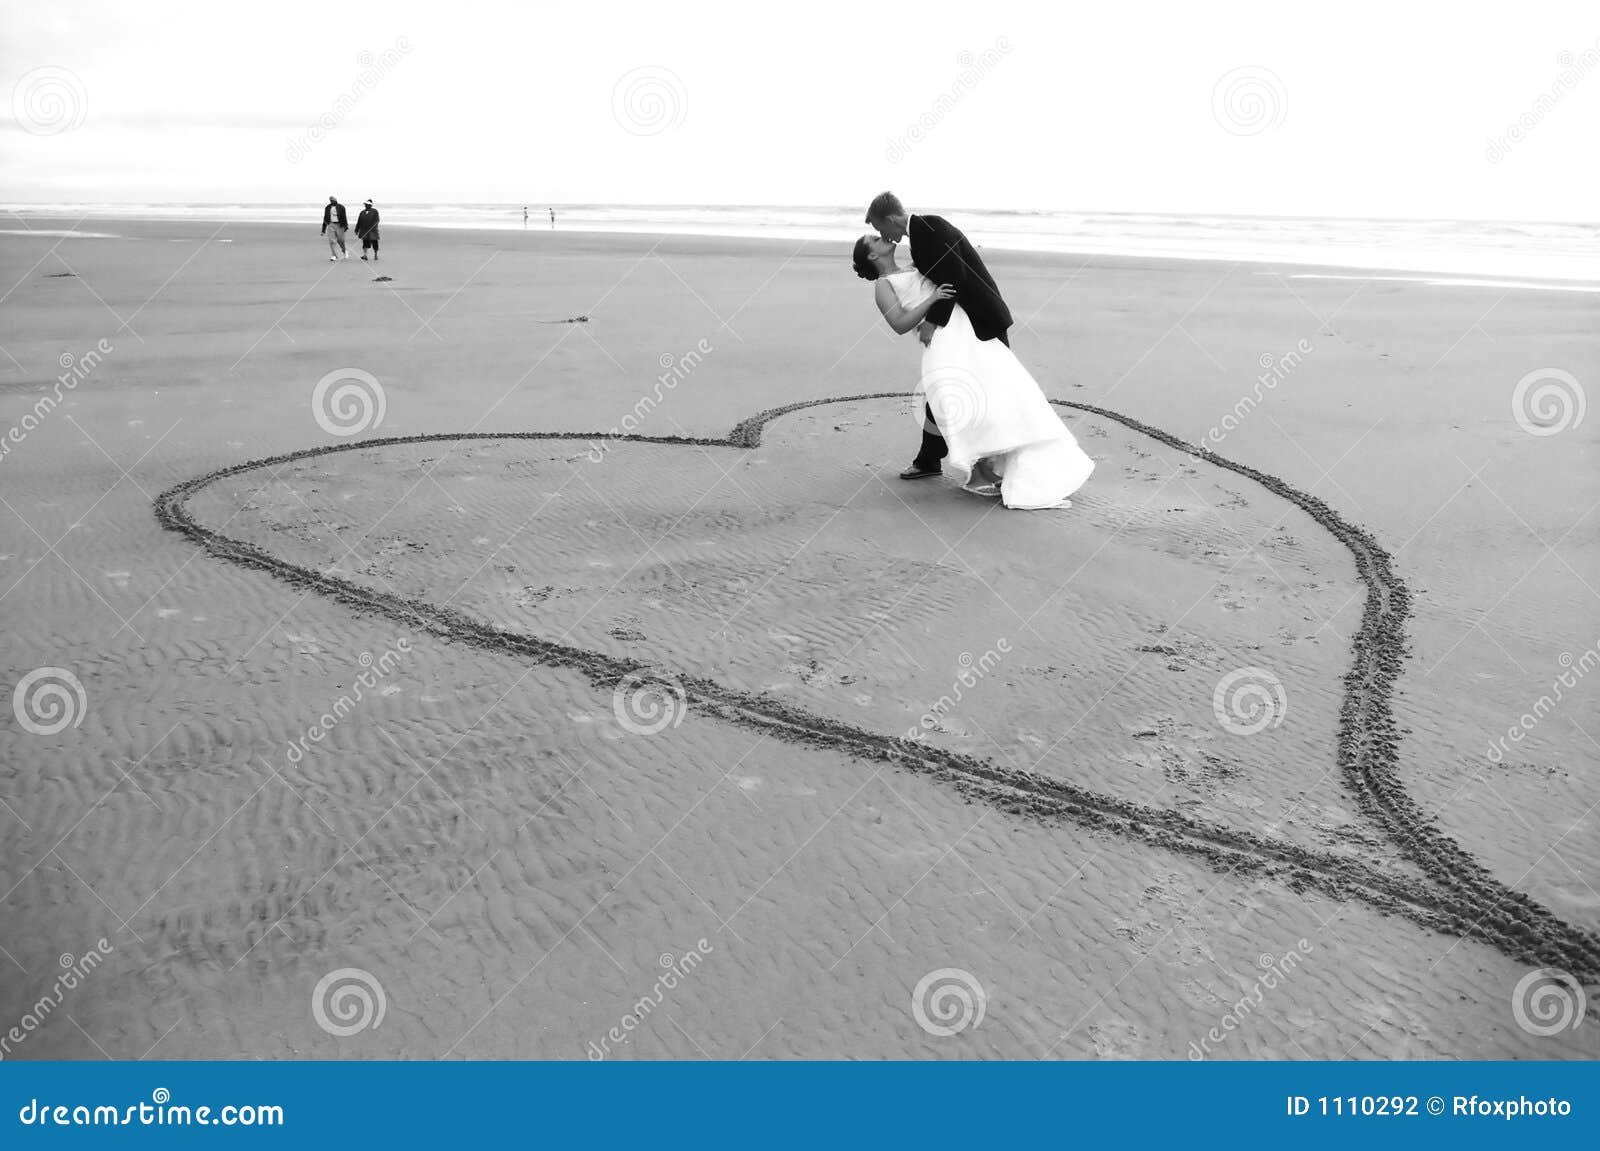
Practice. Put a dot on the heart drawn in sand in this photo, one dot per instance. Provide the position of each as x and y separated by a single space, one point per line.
1457 896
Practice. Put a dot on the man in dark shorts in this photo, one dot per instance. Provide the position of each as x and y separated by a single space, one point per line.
367 231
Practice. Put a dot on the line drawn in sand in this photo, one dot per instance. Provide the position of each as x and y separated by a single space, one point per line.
1457 897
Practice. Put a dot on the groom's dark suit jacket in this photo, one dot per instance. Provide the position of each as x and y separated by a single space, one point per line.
941 253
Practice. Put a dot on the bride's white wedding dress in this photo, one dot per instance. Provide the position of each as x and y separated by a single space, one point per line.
989 408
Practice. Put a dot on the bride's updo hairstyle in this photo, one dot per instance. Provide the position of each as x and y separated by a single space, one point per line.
862 259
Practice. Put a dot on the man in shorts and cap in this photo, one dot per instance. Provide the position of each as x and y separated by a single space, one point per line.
367 231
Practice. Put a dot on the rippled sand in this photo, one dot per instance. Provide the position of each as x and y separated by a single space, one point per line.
517 870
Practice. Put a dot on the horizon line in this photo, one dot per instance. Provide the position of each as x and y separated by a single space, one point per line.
14 206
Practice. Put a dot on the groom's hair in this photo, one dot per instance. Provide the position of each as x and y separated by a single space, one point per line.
884 205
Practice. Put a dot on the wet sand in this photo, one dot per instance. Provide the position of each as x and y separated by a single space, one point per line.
517 859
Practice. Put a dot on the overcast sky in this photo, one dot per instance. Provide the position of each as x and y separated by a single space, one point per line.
1351 108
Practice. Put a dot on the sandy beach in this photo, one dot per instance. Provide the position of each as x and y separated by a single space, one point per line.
370 708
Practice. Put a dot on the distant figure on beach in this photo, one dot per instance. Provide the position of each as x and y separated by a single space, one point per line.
334 225
552 217
367 231
524 215
999 433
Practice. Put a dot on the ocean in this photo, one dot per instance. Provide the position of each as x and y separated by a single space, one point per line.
1554 255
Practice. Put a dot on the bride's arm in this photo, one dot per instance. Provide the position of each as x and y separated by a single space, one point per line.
903 319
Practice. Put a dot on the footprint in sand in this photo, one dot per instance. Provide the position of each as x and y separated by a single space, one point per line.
1117 1040
1228 600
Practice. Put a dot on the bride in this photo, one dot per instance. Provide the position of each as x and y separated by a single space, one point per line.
1004 437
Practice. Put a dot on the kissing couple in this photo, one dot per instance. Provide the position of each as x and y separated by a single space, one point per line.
983 413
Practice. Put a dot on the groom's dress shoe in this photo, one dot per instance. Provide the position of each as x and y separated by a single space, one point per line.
918 472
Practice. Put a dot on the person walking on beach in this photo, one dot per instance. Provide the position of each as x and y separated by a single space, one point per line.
552 219
524 216
334 225
367 231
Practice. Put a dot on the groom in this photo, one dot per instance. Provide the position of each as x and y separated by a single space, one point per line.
940 252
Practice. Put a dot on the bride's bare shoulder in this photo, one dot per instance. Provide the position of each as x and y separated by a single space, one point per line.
883 291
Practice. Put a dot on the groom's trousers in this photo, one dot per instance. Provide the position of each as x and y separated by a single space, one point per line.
933 448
